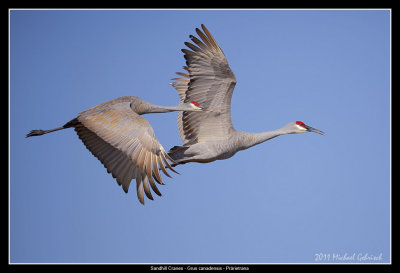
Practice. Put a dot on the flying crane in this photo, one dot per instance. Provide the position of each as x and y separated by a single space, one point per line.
125 142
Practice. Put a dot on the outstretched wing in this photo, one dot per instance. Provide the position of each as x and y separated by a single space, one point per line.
210 82
181 85
125 143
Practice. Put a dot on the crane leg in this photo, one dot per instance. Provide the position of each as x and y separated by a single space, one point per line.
40 132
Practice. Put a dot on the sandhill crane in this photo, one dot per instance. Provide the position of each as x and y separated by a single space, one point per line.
124 142
209 135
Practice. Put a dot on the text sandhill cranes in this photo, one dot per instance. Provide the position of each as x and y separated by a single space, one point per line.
125 142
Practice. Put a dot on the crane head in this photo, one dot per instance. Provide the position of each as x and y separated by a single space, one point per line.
195 105
302 128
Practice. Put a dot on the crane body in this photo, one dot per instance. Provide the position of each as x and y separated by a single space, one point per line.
205 152
209 135
125 142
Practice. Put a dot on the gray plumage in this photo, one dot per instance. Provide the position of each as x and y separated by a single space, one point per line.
125 142
209 135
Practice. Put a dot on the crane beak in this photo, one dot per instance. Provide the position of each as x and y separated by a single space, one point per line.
311 129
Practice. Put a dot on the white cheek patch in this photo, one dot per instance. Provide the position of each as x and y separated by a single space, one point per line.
195 107
301 128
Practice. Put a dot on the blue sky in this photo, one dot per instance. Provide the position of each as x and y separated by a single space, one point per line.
295 199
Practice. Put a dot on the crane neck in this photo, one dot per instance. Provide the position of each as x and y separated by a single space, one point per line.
252 139
143 107
163 109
